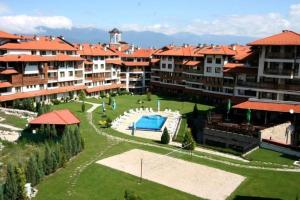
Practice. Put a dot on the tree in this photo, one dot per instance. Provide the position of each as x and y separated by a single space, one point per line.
40 173
188 142
82 95
149 96
195 111
48 130
53 131
10 186
77 139
130 195
41 130
109 100
32 171
21 181
83 107
38 107
165 137
48 160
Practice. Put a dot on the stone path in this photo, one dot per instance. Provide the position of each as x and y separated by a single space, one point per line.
247 166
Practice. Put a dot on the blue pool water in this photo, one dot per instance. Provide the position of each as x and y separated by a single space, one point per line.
151 122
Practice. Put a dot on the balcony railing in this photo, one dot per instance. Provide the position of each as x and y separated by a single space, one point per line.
194 71
276 55
283 72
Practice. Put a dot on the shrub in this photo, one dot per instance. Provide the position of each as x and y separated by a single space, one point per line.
102 94
82 95
149 96
130 195
55 101
83 107
165 137
110 100
188 142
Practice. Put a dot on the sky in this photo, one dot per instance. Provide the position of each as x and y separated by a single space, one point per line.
254 18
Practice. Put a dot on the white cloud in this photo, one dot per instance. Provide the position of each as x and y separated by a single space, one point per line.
32 24
256 25
3 8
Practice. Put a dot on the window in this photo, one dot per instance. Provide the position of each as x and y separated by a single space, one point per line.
169 66
33 52
218 60
209 59
208 69
102 66
43 53
18 89
62 74
163 66
96 66
95 58
53 52
70 73
218 70
170 58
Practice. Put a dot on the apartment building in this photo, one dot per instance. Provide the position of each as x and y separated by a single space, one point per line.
101 68
40 67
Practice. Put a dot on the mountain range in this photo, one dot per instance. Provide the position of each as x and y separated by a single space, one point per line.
145 38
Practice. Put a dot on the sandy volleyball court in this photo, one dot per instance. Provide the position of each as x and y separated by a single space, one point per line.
199 180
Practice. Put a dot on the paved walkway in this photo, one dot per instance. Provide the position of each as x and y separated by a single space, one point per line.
247 166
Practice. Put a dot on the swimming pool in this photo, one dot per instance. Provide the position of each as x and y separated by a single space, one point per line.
150 122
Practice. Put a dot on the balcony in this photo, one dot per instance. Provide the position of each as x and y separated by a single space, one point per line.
283 72
276 55
194 71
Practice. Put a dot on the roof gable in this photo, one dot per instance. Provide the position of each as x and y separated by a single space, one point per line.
57 117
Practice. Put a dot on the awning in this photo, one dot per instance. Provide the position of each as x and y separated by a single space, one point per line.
269 106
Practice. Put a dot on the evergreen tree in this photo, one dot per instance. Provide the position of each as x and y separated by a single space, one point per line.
149 96
77 139
165 137
21 181
188 142
66 143
10 186
38 107
32 171
40 173
53 131
41 130
109 100
82 95
195 111
48 160
83 107
48 131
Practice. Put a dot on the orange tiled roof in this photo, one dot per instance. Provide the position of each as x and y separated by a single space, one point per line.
57 117
42 43
6 35
284 38
88 62
233 65
178 51
242 52
269 106
5 84
140 53
237 68
38 58
191 63
94 50
9 71
103 87
130 64
113 61
155 60
23 95
217 50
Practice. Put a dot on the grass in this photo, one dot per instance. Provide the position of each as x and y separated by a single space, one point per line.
13 120
271 156
82 179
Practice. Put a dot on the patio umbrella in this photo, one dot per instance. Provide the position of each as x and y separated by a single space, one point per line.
248 115
158 105
103 106
114 104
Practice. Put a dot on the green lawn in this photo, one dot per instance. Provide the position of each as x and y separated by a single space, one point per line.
271 156
82 179
13 120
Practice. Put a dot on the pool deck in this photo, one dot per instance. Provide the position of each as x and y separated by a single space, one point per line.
153 135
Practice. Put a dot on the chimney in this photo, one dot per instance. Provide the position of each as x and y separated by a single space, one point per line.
234 47
36 37
119 48
80 47
52 37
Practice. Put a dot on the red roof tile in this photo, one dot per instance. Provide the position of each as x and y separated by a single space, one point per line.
284 38
38 58
43 43
5 35
191 63
57 117
217 50
103 88
178 51
23 95
140 53
130 64
9 71
94 50
113 61
269 106
5 84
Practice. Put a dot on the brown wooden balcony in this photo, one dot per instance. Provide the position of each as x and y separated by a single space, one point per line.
279 55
